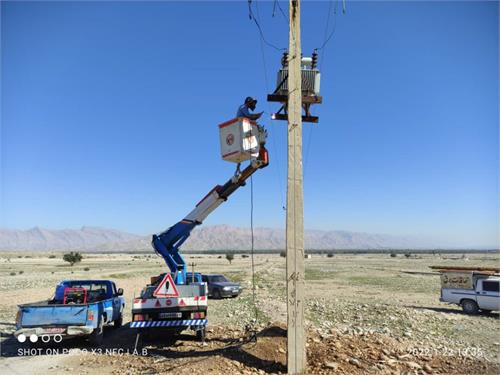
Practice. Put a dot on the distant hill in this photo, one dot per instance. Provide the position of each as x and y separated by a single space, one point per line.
86 238
216 237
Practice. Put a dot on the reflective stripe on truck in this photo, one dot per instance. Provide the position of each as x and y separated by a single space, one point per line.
169 323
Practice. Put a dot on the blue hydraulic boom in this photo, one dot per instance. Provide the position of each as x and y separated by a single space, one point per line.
167 243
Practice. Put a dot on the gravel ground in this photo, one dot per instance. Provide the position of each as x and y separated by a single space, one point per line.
365 314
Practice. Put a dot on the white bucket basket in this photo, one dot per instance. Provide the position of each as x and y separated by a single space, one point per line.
239 140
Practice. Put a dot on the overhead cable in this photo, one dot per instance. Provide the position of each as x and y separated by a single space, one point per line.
252 17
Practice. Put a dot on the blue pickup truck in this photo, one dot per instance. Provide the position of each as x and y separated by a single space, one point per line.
78 308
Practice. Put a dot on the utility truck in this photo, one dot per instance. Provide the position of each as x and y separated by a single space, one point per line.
472 288
78 308
172 302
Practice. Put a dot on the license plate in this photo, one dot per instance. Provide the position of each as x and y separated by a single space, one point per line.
53 330
170 315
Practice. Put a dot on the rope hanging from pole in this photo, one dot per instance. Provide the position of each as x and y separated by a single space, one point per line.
251 328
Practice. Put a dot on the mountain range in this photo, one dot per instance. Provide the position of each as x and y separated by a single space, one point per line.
215 237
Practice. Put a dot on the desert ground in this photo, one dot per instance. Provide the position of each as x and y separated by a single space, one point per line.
365 314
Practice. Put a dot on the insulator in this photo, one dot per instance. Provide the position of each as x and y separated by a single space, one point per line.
284 60
314 63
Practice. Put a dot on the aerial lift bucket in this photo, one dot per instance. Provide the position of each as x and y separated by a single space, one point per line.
241 139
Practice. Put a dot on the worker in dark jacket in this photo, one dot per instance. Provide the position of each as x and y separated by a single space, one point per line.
243 110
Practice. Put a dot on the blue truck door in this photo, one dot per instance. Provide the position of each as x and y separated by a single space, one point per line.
116 302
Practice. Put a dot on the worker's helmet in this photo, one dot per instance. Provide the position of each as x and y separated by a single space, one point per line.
249 100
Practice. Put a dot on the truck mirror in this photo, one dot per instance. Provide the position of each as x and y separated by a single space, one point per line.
120 292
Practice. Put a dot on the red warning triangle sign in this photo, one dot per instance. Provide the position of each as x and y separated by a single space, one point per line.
166 288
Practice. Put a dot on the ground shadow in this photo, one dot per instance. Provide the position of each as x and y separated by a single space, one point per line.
449 310
235 352
235 349
114 338
272 331
158 345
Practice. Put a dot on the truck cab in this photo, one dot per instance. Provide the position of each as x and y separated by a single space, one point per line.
96 291
193 277
472 291
487 294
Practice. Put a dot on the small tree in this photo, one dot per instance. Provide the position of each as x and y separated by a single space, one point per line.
394 255
408 255
283 254
230 257
72 257
330 254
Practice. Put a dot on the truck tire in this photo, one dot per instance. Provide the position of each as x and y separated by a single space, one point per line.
469 306
217 294
97 335
118 322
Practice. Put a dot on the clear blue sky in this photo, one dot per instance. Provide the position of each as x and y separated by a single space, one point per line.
110 112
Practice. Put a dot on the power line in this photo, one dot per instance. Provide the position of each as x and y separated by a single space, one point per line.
327 39
278 159
252 17
277 3
252 248
254 300
262 42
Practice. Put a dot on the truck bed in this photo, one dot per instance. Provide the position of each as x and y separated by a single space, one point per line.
45 313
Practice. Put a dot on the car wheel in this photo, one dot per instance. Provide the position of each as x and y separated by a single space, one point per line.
217 294
469 306
97 334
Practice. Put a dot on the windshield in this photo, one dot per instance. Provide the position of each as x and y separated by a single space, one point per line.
96 291
217 279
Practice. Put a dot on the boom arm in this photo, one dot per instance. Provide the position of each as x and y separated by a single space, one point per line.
167 243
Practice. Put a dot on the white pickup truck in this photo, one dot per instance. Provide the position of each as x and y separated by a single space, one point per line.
471 291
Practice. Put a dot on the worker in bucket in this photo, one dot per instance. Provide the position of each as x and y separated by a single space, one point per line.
243 110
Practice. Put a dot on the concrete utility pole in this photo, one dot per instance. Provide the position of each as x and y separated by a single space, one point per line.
295 205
